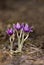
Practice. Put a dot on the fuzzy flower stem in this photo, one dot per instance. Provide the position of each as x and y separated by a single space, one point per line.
11 43
21 44
18 36
23 40
26 37
20 33
11 46
19 41
23 37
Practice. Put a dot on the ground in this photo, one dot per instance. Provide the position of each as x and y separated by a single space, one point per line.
31 12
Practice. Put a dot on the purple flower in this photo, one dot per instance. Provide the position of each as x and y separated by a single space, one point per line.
18 26
9 31
26 28
31 29
22 26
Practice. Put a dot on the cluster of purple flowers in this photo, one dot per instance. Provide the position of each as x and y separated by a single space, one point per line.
18 26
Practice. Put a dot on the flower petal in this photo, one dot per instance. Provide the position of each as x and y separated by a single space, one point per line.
9 31
18 26
26 28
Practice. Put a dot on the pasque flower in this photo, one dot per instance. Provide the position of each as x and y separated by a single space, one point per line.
30 29
9 31
22 26
18 26
21 36
26 28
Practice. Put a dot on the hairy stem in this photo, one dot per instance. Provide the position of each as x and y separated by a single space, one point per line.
18 39
20 33
21 44
23 40
11 46
11 43
26 37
